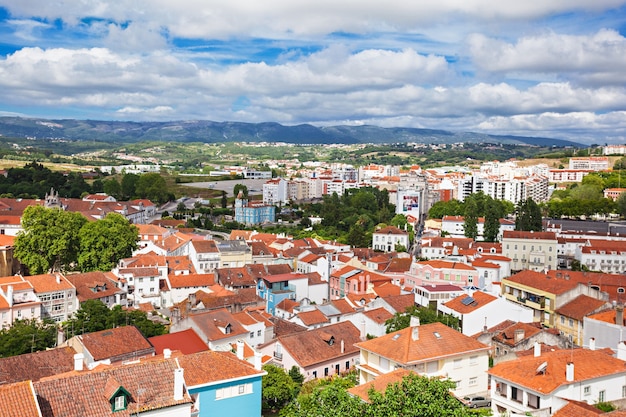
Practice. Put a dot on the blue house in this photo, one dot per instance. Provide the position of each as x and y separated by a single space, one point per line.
220 384
275 288
253 212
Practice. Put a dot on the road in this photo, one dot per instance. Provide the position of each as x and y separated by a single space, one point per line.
255 187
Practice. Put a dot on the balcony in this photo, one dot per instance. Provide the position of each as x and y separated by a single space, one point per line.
278 355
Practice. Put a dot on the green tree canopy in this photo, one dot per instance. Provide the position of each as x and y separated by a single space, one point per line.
470 224
277 388
426 315
242 188
49 239
104 242
528 216
26 336
153 187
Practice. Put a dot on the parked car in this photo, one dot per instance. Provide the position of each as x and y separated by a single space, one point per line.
476 402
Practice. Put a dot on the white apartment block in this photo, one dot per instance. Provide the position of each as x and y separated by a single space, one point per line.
275 192
590 163
536 251
614 150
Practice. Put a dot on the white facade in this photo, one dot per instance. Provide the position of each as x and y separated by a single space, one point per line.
387 238
275 192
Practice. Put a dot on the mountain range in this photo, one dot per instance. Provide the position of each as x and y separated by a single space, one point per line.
214 132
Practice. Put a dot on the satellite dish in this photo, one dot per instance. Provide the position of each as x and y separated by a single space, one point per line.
541 369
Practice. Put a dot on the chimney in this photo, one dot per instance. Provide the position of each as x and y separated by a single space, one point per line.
58 277
363 334
343 347
519 335
592 343
60 336
78 362
569 372
536 350
621 350
415 328
167 353
258 363
619 314
10 295
179 382
240 354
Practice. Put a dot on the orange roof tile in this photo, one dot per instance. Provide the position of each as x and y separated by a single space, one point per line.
581 306
480 299
378 315
19 400
435 340
588 364
380 384
542 282
310 318
185 341
45 283
106 344
210 367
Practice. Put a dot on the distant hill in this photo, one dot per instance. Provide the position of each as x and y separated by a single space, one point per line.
212 132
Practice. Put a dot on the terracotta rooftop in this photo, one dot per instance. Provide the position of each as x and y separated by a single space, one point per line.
213 324
106 344
315 346
387 289
283 327
588 365
400 302
94 285
313 317
45 283
523 330
542 282
578 409
191 280
439 264
37 365
518 234
185 341
378 315
18 400
434 341
580 307
465 304
380 384
212 367
150 385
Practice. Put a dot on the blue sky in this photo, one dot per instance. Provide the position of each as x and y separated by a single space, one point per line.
552 68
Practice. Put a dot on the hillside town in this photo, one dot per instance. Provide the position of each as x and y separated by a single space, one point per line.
535 336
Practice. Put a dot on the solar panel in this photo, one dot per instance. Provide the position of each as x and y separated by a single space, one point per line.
467 300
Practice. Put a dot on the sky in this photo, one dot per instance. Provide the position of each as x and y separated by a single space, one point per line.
551 68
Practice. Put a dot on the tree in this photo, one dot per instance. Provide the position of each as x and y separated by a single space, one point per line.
621 204
470 226
224 201
426 315
277 387
357 238
492 221
128 186
152 186
240 187
528 216
104 242
26 336
49 240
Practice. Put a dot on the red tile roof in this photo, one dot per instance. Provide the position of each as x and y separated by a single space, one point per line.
378 315
150 385
212 367
313 317
106 344
191 280
480 299
18 400
185 341
518 234
578 409
45 283
588 364
542 282
312 347
380 384
435 341
581 306
37 365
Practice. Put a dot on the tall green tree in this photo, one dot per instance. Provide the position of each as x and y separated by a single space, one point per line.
112 188
128 186
492 220
49 240
104 242
242 188
470 225
528 216
426 315
153 187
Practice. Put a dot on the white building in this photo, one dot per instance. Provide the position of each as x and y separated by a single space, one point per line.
275 192
387 238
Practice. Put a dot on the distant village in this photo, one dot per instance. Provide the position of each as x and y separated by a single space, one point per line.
535 337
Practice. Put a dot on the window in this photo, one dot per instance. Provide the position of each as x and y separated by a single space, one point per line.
120 403
258 333
325 371
602 396
251 335
457 363
347 365
474 360
571 323
623 391
587 390
473 381
562 319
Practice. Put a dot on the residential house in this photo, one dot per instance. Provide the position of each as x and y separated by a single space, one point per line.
350 280
183 286
250 212
569 317
57 296
234 253
605 329
511 339
379 384
454 226
102 286
184 341
37 365
434 350
436 247
18 301
221 384
261 253
536 251
104 347
387 238
433 295
541 384
275 288
444 272
371 322
481 310
217 328
607 256
143 273
317 353
545 293
204 255
151 389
